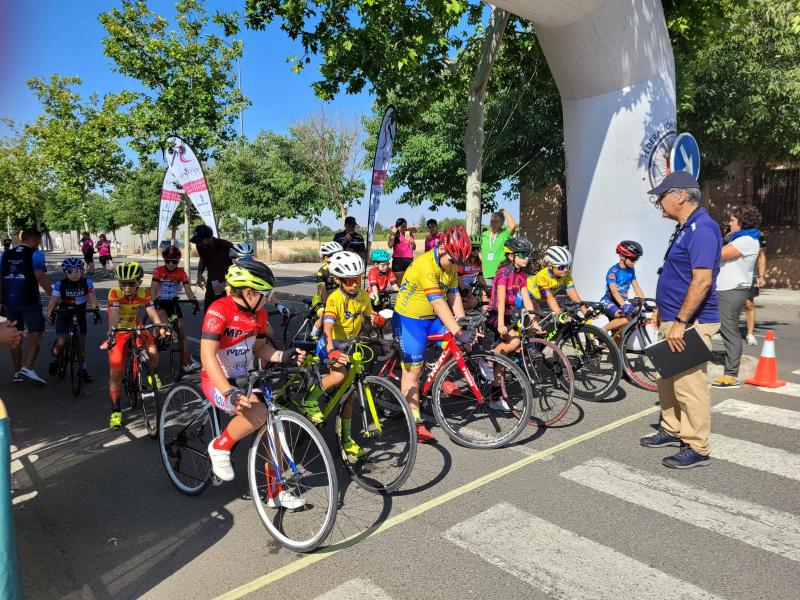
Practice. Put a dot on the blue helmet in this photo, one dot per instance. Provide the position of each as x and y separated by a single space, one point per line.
380 255
72 263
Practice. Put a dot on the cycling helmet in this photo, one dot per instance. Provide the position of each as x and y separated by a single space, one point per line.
329 248
630 249
346 264
380 255
171 253
558 256
72 263
457 243
250 274
241 250
476 240
129 271
518 244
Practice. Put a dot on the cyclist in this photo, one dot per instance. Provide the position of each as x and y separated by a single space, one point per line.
124 304
235 332
168 280
553 278
78 291
325 285
428 303
241 251
470 272
380 276
344 315
619 279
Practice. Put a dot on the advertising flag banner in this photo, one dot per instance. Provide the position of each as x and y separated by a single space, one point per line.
170 198
383 156
183 164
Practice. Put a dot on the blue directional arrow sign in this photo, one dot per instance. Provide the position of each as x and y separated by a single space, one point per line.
685 155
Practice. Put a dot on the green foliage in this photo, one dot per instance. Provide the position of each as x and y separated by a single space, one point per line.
25 181
136 200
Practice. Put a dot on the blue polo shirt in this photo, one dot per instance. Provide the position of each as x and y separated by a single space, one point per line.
697 245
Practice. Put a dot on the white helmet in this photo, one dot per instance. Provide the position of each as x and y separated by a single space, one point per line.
328 248
346 264
241 250
558 256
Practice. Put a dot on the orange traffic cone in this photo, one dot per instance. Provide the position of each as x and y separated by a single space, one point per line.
767 369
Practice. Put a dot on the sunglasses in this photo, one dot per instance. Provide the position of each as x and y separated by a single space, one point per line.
128 284
75 271
523 255
351 280
171 262
561 267
265 294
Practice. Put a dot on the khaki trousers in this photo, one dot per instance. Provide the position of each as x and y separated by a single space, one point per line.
686 398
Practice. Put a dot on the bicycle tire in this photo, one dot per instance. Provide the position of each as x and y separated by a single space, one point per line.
73 358
300 435
461 416
552 380
639 369
389 455
148 398
185 428
129 383
587 356
175 353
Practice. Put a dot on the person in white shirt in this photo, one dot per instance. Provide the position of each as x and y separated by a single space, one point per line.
738 261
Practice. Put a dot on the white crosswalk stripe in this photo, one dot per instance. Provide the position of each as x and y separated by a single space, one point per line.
790 389
755 456
771 415
759 526
562 563
356 589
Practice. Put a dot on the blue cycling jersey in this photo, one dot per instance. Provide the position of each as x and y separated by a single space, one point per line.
623 278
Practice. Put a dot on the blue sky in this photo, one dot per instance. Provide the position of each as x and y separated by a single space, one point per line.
65 37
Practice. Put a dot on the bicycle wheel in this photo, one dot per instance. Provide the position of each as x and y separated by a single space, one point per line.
389 452
638 367
148 397
129 379
175 352
596 361
552 380
73 358
185 429
473 423
307 472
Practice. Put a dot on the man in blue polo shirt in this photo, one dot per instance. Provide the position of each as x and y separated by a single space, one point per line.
686 297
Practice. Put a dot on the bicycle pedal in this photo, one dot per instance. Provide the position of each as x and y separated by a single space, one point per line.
216 481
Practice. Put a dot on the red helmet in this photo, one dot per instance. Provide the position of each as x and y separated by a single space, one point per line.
456 243
171 253
630 249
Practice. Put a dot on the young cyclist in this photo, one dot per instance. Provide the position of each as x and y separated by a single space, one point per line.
553 278
76 291
429 303
619 279
470 272
241 251
165 288
235 333
344 315
380 276
325 285
124 306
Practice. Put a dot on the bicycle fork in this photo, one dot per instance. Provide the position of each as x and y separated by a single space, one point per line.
365 393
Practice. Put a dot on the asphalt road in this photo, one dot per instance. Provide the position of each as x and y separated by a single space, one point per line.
575 511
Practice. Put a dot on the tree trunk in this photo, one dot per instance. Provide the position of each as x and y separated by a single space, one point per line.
342 210
474 134
269 238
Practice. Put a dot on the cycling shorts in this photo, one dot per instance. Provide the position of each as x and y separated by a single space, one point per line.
63 320
171 306
610 308
214 396
116 356
413 336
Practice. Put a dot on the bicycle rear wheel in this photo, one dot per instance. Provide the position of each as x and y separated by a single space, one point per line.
389 453
306 472
473 423
73 358
596 361
552 380
638 367
184 432
148 397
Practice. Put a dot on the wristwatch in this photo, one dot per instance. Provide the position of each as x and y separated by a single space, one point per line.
681 321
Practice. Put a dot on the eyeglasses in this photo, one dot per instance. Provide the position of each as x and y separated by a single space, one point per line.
171 262
74 271
351 280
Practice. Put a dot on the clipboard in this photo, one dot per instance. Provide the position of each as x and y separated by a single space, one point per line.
669 363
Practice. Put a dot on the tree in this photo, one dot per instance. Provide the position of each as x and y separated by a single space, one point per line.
25 181
136 200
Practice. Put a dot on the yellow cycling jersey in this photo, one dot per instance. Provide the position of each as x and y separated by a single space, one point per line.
424 281
129 309
346 313
544 283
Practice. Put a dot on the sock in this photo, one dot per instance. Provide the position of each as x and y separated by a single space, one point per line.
314 393
315 331
346 423
224 442
417 415
115 396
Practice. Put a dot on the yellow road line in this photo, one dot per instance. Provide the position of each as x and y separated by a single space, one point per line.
310 559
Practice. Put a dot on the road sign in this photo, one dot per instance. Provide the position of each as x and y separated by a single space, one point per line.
685 155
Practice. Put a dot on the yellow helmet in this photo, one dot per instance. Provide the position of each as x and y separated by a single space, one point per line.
129 271
250 274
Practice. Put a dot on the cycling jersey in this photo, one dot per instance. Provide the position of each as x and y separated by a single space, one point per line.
544 283
169 282
623 278
468 274
346 313
379 279
425 281
324 277
515 282
73 293
236 330
129 308
104 248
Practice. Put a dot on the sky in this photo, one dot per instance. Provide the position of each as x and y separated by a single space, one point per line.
44 37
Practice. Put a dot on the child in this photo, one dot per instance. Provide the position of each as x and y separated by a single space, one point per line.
619 279
104 253
553 278
124 304
344 314
165 288
73 291
469 272
380 277
325 284
87 249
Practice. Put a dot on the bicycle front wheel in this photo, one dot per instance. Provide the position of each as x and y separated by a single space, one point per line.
74 359
175 353
495 419
130 381
383 427
293 481
185 428
596 361
148 397
552 380
639 368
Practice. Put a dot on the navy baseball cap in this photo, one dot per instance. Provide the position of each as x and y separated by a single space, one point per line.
677 180
201 232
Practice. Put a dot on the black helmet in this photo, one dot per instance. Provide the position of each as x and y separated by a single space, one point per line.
518 244
630 249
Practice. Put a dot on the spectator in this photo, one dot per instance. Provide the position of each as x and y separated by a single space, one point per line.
23 271
350 239
739 254
686 296
10 335
759 281
492 242
104 254
214 257
87 249
402 244
433 237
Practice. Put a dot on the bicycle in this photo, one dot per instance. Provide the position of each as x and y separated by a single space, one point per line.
70 356
634 337
174 342
457 384
287 453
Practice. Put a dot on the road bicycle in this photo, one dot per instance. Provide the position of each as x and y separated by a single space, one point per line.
287 454
174 343
633 338
70 357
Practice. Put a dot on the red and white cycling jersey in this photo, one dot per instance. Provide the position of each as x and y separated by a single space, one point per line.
169 282
236 330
